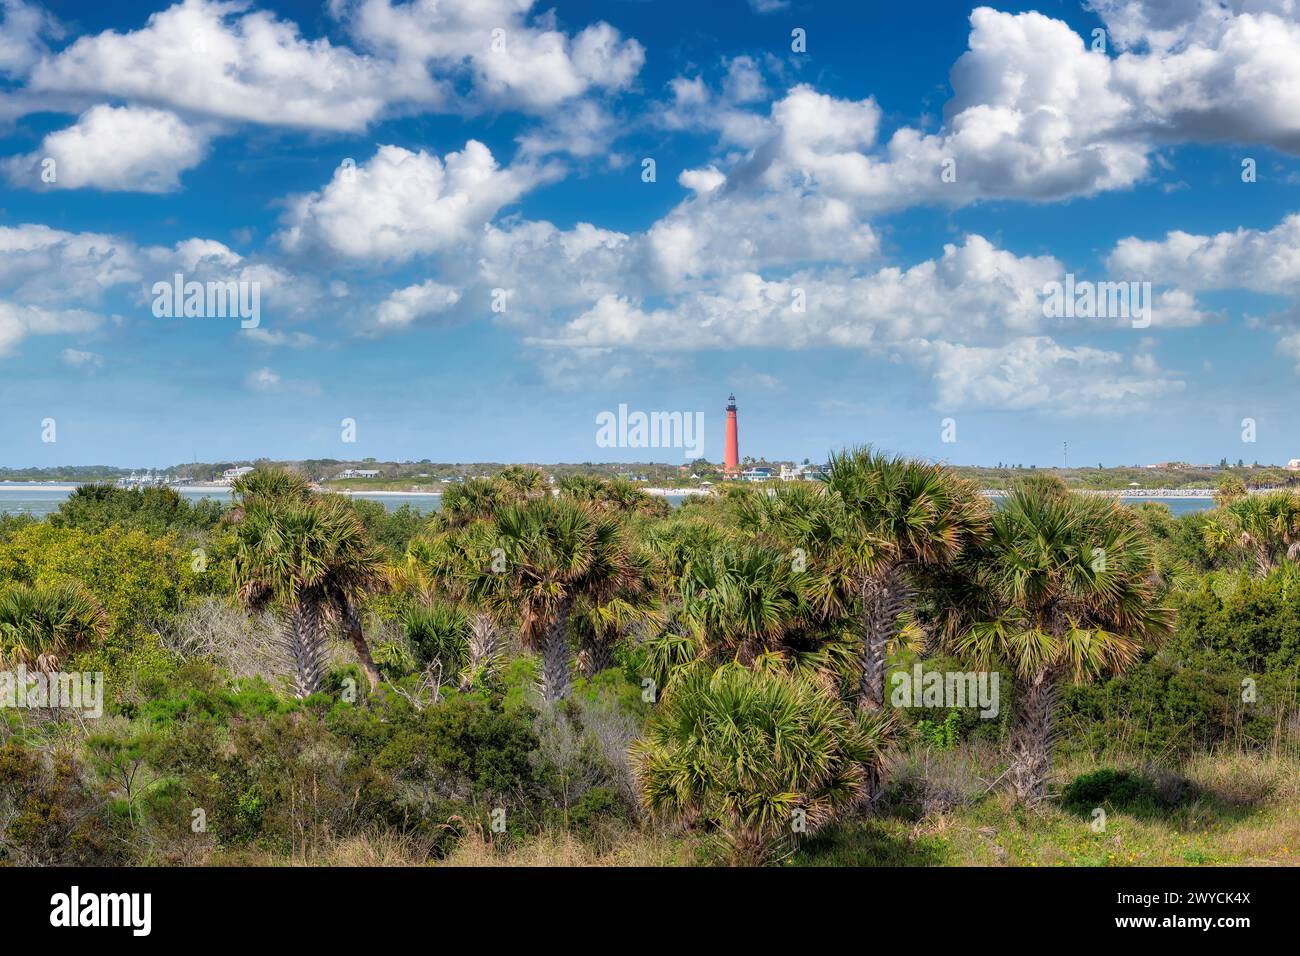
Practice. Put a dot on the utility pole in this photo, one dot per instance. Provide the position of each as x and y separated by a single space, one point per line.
1066 447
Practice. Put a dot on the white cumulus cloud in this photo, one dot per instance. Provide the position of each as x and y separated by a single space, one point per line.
113 148
403 204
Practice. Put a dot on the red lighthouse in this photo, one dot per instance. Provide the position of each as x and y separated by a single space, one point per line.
731 459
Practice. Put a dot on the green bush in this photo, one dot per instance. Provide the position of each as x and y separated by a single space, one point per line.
1123 791
154 511
140 581
53 814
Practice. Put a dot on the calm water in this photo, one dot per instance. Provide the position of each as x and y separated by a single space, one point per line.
1179 506
39 501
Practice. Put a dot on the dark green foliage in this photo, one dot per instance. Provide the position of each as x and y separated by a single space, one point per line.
439 634
1163 710
285 775
1178 544
392 531
154 511
1255 627
1196 693
464 749
946 727
1124 791
596 810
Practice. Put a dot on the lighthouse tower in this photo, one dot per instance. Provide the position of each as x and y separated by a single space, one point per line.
731 459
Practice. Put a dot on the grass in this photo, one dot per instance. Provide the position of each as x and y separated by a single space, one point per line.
1230 809
630 848
1240 809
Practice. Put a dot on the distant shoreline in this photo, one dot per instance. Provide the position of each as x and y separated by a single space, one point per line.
350 492
658 492
215 490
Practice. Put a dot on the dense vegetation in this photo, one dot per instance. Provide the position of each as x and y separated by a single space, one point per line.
577 673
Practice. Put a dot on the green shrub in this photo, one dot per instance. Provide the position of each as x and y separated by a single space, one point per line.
52 814
1124 791
752 752
154 511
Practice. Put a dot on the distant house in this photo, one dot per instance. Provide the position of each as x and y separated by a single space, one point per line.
756 474
801 473
358 473
231 475
1293 464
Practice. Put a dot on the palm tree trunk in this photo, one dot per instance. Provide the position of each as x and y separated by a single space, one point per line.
555 655
305 642
596 655
352 622
1031 739
748 848
883 599
484 643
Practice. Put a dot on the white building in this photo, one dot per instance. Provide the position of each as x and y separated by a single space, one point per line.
801 472
358 473
232 474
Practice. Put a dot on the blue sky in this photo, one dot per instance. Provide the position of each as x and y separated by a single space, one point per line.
378 169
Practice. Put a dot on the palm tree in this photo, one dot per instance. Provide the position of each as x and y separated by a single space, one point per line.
1230 489
906 516
441 634
274 485
815 530
39 625
540 559
599 627
582 487
613 495
687 537
277 483
1263 528
311 561
267 484
754 752
524 482
744 602
473 500
1063 590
